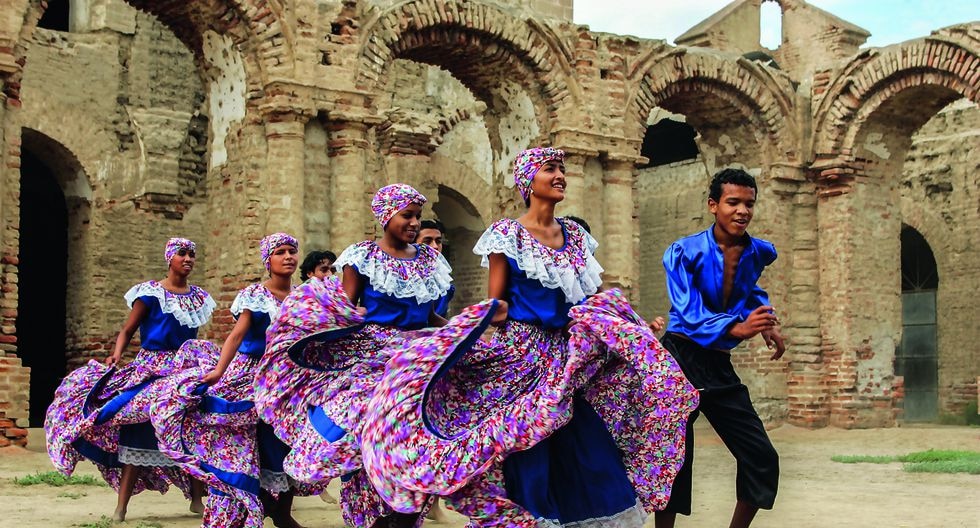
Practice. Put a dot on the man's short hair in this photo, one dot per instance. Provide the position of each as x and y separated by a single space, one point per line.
433 224
732 176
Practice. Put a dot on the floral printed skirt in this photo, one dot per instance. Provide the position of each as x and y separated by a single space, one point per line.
313 385
102 414
535 428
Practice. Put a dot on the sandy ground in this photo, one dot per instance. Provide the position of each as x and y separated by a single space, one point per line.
814 492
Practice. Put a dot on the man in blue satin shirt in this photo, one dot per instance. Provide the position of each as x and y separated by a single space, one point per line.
715 305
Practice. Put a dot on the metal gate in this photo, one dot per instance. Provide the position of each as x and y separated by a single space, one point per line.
918 357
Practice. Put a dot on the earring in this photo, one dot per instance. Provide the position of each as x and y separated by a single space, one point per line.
532 191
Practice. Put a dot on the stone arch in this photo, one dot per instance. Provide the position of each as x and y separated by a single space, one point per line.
88 154
54 200
931 71
739 89
451 34
255 26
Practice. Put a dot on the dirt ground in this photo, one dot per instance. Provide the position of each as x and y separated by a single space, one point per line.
814 491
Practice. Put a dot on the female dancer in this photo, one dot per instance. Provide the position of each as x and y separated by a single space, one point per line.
101 412
234 453
325 355
573 416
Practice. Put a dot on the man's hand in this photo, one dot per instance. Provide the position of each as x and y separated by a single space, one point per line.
774 338
761 319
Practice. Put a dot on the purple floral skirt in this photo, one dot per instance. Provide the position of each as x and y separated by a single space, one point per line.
445 418
313 384
96 409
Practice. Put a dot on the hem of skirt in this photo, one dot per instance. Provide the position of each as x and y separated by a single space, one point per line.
633 517
275 481
144 457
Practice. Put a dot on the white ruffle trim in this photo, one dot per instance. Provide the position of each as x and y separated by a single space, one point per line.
574 283
144 457
633 517
194 312
256 299
275 481
424 283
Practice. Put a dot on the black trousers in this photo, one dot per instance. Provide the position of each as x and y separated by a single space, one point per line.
725 403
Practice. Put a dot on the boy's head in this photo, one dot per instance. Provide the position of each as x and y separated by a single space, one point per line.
317 264
431 234
731 176
731 199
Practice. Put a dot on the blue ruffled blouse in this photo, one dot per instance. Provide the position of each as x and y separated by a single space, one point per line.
162 331
695 268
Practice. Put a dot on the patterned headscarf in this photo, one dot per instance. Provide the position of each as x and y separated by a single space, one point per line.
174 245
529 162
393 198
271 242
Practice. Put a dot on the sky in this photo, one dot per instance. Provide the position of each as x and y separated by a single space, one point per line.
888 21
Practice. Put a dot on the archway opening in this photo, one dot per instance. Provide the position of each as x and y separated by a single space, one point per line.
918 355
42 279
770 24
463 228
57 16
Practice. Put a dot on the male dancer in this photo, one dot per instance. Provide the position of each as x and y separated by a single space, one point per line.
715 305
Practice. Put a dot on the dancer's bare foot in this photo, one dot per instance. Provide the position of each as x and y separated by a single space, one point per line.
198 490
328 498
437 514
119 515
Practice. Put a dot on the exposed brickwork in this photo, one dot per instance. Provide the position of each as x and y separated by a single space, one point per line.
226 120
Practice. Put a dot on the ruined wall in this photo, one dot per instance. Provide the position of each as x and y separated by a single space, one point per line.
228 121
939 190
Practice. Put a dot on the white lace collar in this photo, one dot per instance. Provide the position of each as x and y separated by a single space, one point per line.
426 277
256 298
192 309
572 268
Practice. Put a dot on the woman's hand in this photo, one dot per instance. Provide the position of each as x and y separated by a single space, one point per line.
501 314
212 377
112 360
657 324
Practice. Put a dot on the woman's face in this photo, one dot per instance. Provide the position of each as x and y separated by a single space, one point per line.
183 261
283 260
549 183
323 269
404 226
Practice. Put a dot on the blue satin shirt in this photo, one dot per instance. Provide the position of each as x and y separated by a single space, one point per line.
695 268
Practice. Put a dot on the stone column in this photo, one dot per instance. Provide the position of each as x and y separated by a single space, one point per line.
575 198
285 136
860 303
619 249
349 185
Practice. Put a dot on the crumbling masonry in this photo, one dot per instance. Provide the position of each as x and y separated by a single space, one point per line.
223 120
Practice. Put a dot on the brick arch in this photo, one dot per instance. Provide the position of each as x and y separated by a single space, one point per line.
86 146
478 43
944 66
254 25
748 90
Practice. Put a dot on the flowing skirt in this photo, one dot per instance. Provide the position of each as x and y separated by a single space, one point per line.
313 385
102 414
535 428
